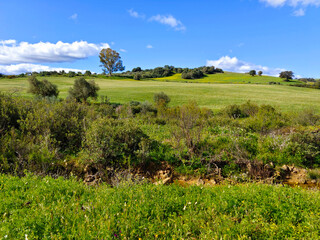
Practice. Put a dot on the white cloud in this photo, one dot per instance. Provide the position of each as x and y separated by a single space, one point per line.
301 4
27 67
149 46
74 16
299 13
8 42
135 14
123 50
292 3
170 21
24 52
235 65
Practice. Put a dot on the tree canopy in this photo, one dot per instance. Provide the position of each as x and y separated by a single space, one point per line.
287 75
83 89
110 61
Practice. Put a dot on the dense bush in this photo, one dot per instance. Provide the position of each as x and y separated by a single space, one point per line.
192 74
161 99
83 89
50 137
110 142
9 114
42 88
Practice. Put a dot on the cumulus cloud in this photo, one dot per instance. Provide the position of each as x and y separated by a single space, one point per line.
27 67
235 65
12 52
149 46
123 50
170 21
301 4
135 14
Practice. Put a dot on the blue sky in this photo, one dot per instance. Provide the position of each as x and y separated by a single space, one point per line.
236 35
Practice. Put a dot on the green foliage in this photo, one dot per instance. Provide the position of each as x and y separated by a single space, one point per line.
137 76
288 75
110 142
110 61
71 74
242 111
9 113
192 74
161 99
253 73
266 120
42 88
83 89
47 208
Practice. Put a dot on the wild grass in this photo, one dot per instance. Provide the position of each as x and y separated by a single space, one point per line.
213 96
46 208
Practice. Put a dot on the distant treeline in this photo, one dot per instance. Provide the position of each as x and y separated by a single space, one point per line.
166 71
136 73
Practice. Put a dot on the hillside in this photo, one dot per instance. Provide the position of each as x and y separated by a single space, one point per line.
213 96
227 77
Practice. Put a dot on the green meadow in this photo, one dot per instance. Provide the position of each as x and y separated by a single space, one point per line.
45 208
226 77
213 95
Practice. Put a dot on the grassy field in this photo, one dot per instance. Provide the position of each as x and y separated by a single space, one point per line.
36 208
214 96
227 77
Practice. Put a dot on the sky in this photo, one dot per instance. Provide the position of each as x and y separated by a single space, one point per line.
235 35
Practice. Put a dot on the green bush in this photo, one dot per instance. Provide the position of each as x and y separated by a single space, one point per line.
161 99
9 114
110 142
83 89
42 88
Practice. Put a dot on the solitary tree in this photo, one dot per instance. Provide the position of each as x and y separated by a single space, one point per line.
260 73
287 75
253 73
42 88
83 89
110 61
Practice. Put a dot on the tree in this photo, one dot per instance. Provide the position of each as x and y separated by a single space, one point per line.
137 69
111 61
87 73
42 88
287 75
71 74
83 89
253 73
260 73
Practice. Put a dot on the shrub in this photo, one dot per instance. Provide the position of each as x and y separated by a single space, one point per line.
83 89
9 113
137 76
110 142
242 111
64 122
42 88
161 99
265 120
